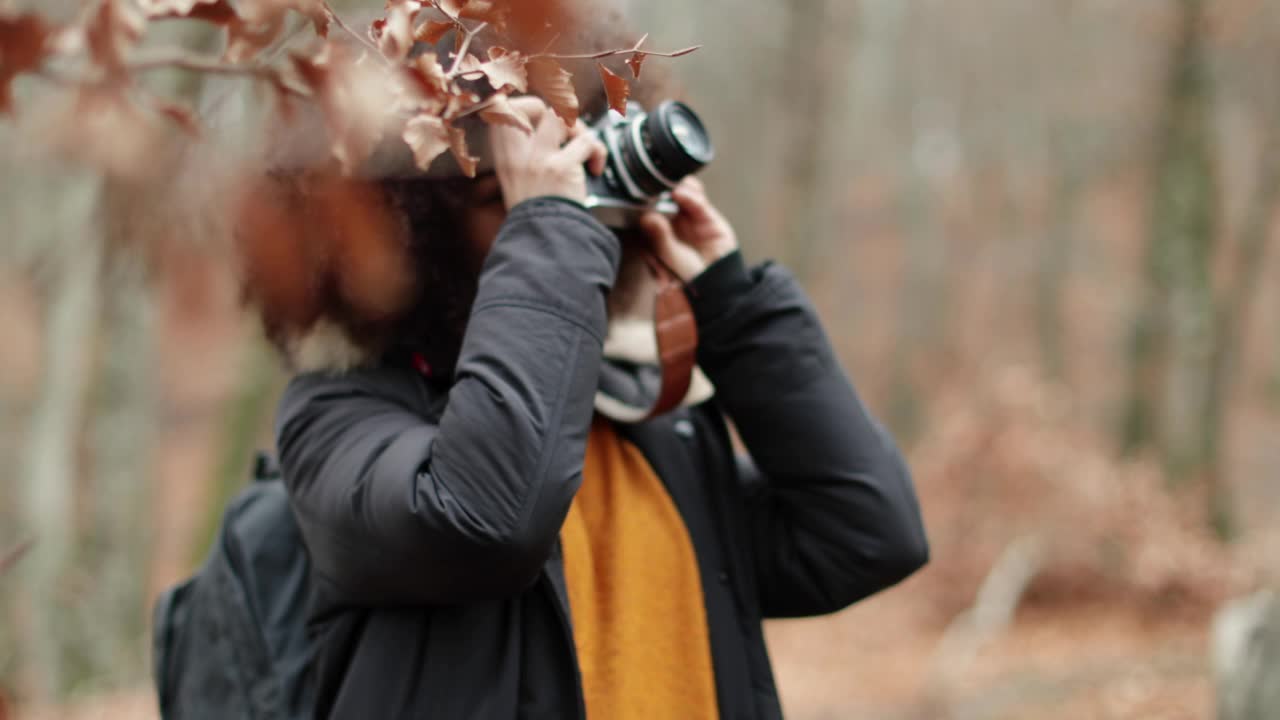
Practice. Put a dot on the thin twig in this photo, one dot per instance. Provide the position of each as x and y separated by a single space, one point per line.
462 50
337 19
265 59
612 53
550 42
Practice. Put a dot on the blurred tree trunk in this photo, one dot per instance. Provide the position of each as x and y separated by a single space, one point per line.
1233 311
1273 383
922 292
804 103
1172 333
122 425
49 474
921 315
1058 241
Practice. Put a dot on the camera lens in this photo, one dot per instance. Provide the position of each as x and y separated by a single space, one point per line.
680 144
654 152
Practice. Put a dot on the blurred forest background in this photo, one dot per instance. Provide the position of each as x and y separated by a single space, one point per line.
1042 236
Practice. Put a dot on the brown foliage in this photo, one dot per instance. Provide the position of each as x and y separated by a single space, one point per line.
1013 451
363 101
219 12
615 88
505 70
634 62
427 136
555 85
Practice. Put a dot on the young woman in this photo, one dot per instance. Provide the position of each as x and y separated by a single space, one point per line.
487 543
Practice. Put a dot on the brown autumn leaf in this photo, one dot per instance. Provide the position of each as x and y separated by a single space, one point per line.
260 23
355 99
498 110
506 70
458 144
427 82
219 12
112 30
469 65
394 33
635 61
432 31
452 8
555 85
428 137
105 129
534 25
615 88
246 38
637 57
23 46
489 11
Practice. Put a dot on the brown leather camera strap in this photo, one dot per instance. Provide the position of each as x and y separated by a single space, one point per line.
677 335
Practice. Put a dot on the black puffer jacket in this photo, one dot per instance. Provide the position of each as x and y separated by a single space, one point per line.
431 511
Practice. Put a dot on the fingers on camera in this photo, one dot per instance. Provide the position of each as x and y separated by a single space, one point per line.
550 131
693 201
582 148
532 106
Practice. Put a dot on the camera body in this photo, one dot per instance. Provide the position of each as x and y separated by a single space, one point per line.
648 154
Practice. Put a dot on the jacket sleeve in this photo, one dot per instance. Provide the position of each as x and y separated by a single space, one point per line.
833 516
395 509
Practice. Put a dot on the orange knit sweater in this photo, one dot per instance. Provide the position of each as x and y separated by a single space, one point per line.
639 622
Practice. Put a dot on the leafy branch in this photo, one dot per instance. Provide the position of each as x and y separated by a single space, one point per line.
425 98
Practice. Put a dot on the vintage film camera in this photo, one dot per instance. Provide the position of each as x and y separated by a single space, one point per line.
649 153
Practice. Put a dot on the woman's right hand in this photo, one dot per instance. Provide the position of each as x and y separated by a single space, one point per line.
552 160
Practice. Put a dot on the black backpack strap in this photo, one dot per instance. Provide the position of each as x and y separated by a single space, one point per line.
265 466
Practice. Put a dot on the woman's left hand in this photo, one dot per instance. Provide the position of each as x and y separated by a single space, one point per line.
697 236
